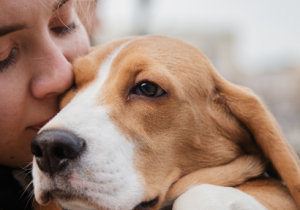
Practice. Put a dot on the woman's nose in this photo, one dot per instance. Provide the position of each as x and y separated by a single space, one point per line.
53 73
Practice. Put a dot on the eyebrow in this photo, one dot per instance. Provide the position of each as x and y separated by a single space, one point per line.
17 27
60 4
10 29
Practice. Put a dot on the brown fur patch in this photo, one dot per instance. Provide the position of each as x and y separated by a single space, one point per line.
269 192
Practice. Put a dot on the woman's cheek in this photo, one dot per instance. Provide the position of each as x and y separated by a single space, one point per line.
83 41
78 45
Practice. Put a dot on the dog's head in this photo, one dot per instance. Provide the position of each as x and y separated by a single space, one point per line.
145 112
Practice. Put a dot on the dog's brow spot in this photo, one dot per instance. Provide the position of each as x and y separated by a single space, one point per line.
221 100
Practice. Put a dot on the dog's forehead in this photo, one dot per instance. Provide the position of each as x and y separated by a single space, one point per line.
86 68
177 67
180 59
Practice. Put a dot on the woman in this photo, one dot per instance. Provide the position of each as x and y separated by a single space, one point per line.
38 41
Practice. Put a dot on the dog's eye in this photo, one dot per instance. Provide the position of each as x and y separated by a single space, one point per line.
149 89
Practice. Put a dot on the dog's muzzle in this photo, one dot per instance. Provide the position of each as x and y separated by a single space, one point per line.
53 149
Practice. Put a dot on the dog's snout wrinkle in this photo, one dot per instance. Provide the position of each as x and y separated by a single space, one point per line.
54 148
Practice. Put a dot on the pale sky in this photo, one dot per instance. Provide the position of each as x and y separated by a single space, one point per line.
267 31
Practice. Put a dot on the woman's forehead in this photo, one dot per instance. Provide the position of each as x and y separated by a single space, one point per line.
24 11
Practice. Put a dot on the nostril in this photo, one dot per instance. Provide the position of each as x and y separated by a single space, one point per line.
54 149
36 150
59 153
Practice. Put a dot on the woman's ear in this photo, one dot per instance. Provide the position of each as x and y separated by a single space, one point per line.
249 110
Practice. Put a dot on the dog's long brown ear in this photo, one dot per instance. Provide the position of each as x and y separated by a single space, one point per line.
247 107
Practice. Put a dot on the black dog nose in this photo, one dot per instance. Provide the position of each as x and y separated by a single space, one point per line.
53 149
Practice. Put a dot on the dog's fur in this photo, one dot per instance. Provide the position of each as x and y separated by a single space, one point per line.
204 130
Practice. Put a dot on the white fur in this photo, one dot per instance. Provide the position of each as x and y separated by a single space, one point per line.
205 196
105 172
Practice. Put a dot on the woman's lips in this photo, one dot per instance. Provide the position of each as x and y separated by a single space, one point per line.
40 125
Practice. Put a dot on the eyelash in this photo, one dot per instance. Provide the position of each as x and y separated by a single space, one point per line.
10 60
64 29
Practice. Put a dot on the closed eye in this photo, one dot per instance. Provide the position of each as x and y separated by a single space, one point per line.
10 60
63 30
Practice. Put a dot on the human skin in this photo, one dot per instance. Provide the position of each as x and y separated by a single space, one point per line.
35 69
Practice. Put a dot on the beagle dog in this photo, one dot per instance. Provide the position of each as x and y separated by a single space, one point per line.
151 125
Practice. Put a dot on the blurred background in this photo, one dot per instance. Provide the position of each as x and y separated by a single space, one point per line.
254 43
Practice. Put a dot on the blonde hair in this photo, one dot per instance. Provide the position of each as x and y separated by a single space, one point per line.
86 11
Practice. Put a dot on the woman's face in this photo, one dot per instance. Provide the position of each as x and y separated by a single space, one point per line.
38 40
